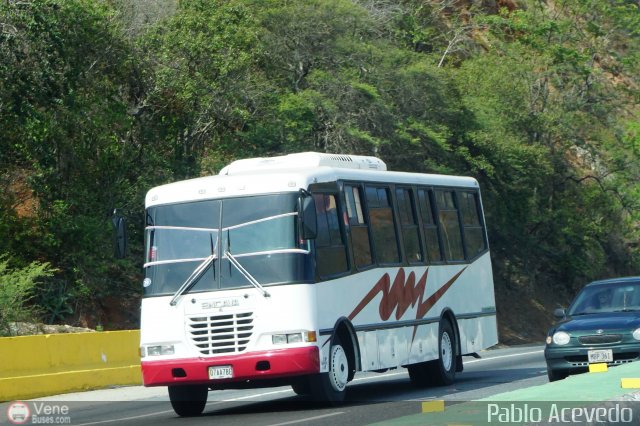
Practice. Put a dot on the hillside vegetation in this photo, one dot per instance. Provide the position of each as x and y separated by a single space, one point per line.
101 100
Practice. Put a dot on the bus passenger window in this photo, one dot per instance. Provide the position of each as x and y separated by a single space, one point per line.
434 252
473 230
331 256
358 225
449 225
383 229
409 225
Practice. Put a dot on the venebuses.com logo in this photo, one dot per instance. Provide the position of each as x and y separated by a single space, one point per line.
20 413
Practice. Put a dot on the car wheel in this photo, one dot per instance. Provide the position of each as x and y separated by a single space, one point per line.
555 375
188 400
331 386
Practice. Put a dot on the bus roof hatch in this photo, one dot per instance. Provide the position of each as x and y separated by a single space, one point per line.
304 160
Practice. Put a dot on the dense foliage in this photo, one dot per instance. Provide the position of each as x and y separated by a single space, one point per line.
17 287
101 100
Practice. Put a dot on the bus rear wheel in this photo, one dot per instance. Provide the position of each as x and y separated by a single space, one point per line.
330 387
441 371
188 400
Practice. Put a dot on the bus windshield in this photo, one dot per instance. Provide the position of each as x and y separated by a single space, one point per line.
259 232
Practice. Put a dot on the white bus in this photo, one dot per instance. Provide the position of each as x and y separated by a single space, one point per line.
306 268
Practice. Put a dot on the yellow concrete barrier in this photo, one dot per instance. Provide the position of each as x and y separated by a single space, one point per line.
35 366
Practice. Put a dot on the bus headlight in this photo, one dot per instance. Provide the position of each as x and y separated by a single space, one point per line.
636 334
294 338
299 337
279 339
160 350
561 338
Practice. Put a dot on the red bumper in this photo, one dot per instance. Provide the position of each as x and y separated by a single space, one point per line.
249 366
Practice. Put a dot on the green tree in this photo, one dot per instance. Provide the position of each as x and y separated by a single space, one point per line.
549 95
200 90
99 101
65 88
17 289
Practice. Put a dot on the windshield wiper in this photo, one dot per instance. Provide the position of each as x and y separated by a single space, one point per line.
193 279
246 274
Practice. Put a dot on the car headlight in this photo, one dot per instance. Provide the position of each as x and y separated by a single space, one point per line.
636 334
561 338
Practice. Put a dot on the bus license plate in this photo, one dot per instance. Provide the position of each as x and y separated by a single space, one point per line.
600 355
221 372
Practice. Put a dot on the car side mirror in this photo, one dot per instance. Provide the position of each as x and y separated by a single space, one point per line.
120 233
559 314
308 217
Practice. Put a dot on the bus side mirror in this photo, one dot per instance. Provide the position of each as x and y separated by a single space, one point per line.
307 215
120 232
559 314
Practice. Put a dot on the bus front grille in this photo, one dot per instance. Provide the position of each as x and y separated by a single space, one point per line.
220 334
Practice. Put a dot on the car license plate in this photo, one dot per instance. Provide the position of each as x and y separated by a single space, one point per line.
221 372
600 355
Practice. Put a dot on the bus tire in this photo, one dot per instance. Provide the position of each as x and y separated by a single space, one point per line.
330 387
188 400
302 386
442 371
418 374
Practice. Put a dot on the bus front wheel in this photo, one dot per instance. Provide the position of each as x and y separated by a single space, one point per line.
331 386
301 386
188 400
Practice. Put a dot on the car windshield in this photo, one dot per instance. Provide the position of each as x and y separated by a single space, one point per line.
258 231
609 297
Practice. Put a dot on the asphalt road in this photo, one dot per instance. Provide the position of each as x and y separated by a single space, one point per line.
371 397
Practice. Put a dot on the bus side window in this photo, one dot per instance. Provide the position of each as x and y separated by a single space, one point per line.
331 255
409 225
449 225
473 229
429 226
383 230
359 226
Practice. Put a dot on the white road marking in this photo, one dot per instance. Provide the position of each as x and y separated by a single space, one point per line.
505 356
126 418
381 376
241 398
307 419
